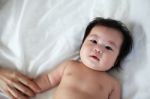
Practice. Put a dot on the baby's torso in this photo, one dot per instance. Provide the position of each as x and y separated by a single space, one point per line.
80 82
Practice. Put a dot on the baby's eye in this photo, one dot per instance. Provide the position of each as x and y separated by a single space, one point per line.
94 41
108 48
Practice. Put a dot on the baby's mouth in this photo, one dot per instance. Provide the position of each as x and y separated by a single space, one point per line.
95 57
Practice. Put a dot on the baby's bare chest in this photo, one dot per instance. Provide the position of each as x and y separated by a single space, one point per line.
89 83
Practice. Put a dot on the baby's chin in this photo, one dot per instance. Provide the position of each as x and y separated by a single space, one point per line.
94 67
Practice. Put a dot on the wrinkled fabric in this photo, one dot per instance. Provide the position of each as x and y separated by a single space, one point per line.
36 35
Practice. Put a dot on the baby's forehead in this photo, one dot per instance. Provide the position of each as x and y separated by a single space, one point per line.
105 28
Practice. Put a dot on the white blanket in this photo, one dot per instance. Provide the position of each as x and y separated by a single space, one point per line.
36 35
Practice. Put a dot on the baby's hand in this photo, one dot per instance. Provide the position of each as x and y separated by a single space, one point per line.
43 82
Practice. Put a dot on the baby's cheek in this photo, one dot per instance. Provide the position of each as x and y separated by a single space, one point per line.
110 60
85 48
82 52
89 47
114 60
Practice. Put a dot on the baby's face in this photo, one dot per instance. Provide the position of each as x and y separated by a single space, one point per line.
101 48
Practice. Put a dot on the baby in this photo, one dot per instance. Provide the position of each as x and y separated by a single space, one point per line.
105 45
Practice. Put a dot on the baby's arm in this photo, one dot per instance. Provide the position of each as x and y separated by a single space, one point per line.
51 79
116 92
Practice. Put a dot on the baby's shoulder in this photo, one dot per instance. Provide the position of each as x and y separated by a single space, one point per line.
116 86
113 79
72 67
70 62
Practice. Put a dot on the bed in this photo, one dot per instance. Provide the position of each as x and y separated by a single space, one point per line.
36 35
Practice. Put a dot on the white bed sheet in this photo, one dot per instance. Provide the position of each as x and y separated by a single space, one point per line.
36 35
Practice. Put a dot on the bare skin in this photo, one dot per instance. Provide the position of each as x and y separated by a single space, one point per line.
17 85
88 79
76 81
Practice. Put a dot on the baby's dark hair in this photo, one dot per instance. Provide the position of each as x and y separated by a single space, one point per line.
117 25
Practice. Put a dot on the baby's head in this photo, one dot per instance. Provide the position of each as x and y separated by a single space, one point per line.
105 44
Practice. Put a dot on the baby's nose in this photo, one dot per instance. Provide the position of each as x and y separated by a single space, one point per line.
98 49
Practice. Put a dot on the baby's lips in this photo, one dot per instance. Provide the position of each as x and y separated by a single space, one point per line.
95 57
